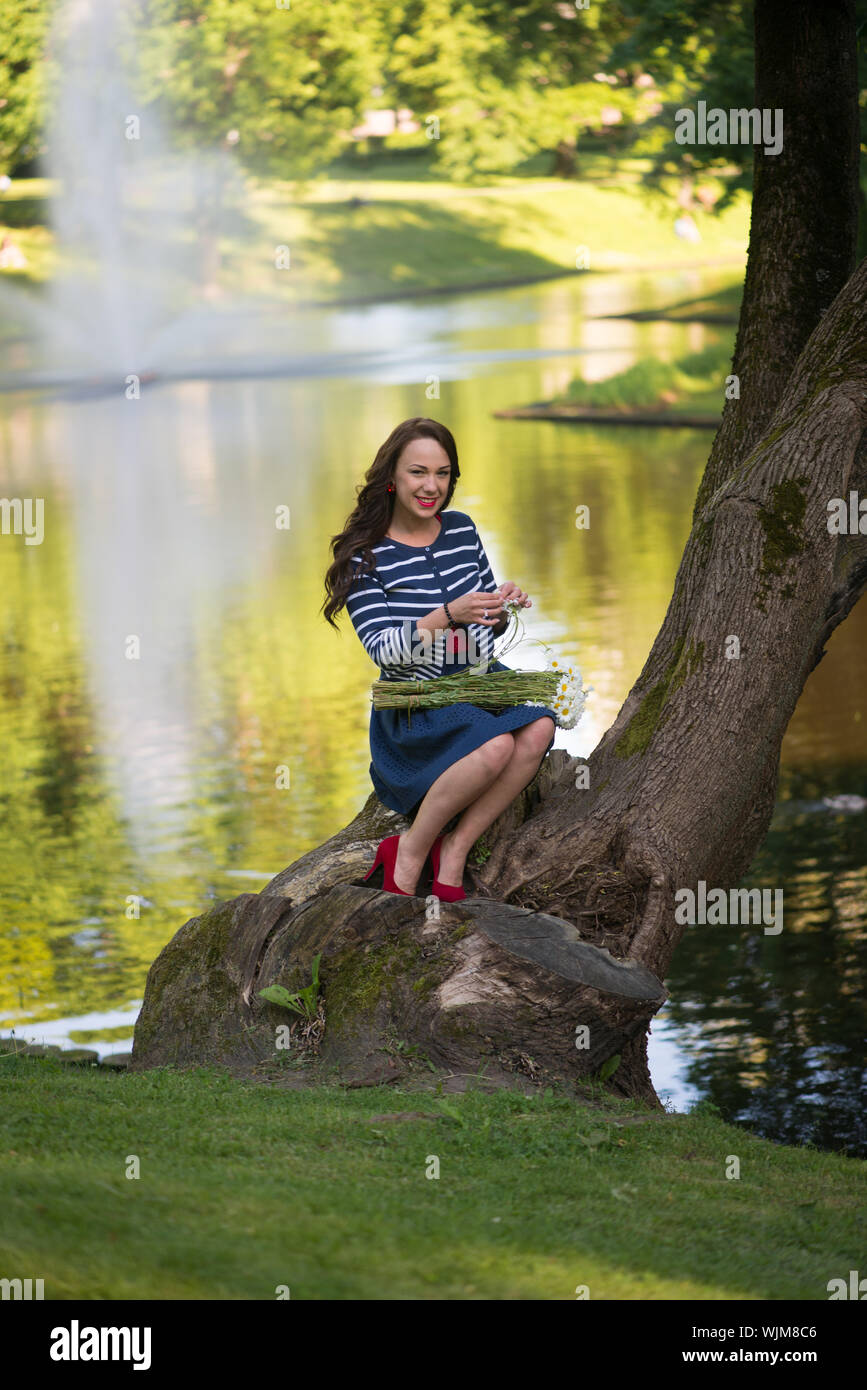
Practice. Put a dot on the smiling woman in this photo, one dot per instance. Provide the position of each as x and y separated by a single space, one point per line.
403 565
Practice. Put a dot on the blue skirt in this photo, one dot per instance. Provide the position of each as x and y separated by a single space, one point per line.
410 749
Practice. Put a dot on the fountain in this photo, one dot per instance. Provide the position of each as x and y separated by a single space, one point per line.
131 298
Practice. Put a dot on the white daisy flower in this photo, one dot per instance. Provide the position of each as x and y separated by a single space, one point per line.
569 696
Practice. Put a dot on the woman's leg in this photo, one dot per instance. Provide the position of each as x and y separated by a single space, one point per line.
454 789
531 743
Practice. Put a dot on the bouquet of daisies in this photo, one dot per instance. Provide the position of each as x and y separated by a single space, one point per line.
569 696
558 687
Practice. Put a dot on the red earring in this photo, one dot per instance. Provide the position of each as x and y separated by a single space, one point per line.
390 487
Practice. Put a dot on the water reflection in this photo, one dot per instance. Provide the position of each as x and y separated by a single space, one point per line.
785 1015
137 790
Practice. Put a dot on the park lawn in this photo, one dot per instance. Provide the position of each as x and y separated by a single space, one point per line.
413 235
416 233
246 1186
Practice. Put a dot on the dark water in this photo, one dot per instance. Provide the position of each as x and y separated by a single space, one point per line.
774 1025
135 791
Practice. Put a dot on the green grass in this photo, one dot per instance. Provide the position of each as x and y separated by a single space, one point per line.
248 1186
422 234
416 232
692 384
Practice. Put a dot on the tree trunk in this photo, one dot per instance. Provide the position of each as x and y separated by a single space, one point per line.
804 225
551 970
565 159
408 983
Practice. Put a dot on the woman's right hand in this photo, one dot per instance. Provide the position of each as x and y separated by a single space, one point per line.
470 608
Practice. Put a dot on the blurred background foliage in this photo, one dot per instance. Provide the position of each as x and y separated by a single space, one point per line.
507 81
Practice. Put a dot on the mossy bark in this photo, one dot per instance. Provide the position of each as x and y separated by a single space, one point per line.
461 985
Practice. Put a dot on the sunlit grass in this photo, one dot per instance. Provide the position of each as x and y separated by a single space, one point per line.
422 234
245 1187
419 233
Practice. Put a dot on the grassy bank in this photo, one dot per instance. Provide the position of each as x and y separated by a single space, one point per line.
688 390
246 1186
694 384
367 234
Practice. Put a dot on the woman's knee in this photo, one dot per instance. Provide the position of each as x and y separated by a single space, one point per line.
494 754
534 738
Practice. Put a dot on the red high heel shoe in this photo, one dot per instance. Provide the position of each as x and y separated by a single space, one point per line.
386 854
447 891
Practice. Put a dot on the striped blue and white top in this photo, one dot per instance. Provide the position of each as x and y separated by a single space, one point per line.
410 581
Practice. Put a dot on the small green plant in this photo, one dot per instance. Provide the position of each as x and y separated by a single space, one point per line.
304 1002
609 1067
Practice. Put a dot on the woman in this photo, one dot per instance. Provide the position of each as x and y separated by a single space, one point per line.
418 588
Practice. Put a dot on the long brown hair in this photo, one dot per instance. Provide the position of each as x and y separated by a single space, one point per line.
371 518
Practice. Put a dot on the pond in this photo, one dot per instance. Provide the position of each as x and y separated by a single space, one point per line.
163 653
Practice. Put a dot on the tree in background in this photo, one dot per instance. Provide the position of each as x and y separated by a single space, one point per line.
274 88
287 82
694 53
505 81
281 88
280 85
706 52
23 73
286 85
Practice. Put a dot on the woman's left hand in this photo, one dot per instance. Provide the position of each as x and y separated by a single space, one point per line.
510 593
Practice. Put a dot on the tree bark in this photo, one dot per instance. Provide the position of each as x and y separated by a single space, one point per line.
551 970
409 984
804 225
